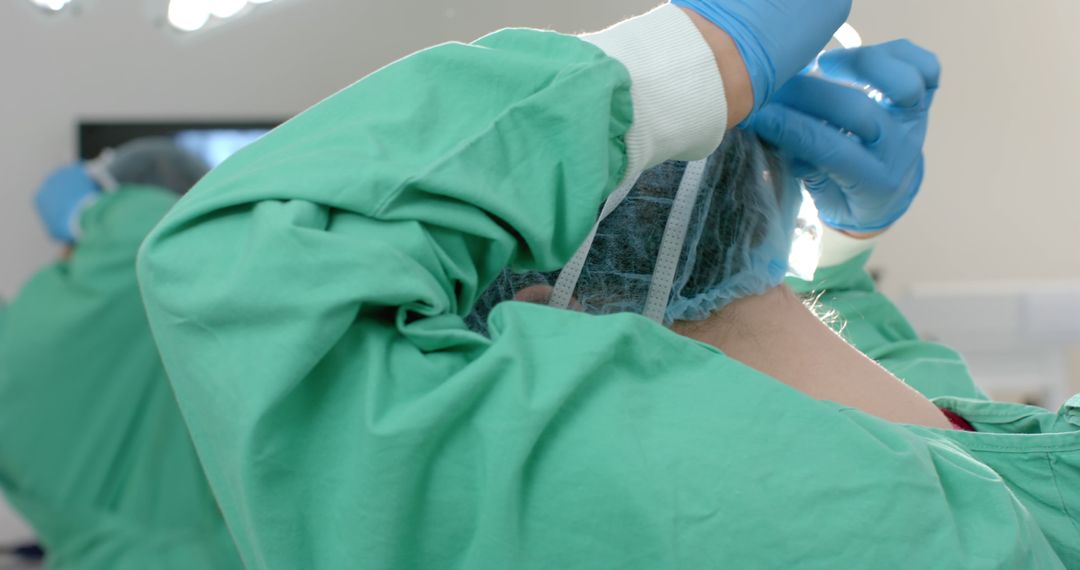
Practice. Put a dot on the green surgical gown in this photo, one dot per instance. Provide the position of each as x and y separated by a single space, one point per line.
93 450
307 298
1035 451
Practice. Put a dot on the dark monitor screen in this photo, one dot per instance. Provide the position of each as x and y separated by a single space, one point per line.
214 141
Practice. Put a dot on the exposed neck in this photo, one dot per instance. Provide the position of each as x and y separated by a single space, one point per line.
778 335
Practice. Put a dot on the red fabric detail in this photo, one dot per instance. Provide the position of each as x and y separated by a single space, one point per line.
958 423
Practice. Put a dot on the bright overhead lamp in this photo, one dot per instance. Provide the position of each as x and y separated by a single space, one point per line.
192 15
848 36
227 8
189 15
51 5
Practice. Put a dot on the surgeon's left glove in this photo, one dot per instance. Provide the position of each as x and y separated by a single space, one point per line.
853 129
62 198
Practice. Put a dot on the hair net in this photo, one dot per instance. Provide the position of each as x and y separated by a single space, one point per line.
155 162
737 244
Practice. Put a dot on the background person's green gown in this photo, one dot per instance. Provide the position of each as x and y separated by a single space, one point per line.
307 298
93 451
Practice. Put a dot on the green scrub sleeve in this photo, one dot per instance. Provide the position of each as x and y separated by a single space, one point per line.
375 217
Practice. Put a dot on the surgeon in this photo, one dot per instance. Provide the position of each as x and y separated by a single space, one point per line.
315 303
93 451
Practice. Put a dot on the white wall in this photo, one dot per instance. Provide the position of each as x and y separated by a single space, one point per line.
12 529
1000 199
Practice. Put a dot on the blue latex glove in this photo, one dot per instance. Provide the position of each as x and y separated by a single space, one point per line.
61 198
860 158
777 38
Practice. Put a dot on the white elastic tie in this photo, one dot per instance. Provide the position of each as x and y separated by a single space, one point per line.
567 282
98 170
667 261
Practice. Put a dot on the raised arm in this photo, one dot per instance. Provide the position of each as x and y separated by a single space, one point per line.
340 253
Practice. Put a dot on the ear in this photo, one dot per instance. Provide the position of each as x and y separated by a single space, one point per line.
539 294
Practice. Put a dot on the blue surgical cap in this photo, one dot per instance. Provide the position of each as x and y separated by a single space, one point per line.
737 240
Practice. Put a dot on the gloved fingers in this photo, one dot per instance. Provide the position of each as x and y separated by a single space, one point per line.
801 169
842 106
898 80
924 60
60 198
901 70
829 198
819 185
72 175
802 137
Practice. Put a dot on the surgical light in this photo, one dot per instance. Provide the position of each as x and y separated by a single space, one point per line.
51 5
192 15
227 8
807 241
189 15
848 36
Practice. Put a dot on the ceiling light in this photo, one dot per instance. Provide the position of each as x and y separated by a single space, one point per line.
192 15
848 36
51 5
227 8
189 15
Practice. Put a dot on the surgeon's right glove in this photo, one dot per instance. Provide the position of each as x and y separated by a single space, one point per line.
776 38
853 129
62 198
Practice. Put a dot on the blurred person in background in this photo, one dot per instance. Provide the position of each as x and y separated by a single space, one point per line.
93 450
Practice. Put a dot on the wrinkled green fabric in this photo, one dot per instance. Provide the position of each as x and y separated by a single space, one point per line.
93 451
1036 452
308 300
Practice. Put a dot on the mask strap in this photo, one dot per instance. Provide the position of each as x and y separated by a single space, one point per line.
98 170
667 261
567 282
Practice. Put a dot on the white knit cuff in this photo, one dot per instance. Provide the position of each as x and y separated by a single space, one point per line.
680 109
838 248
